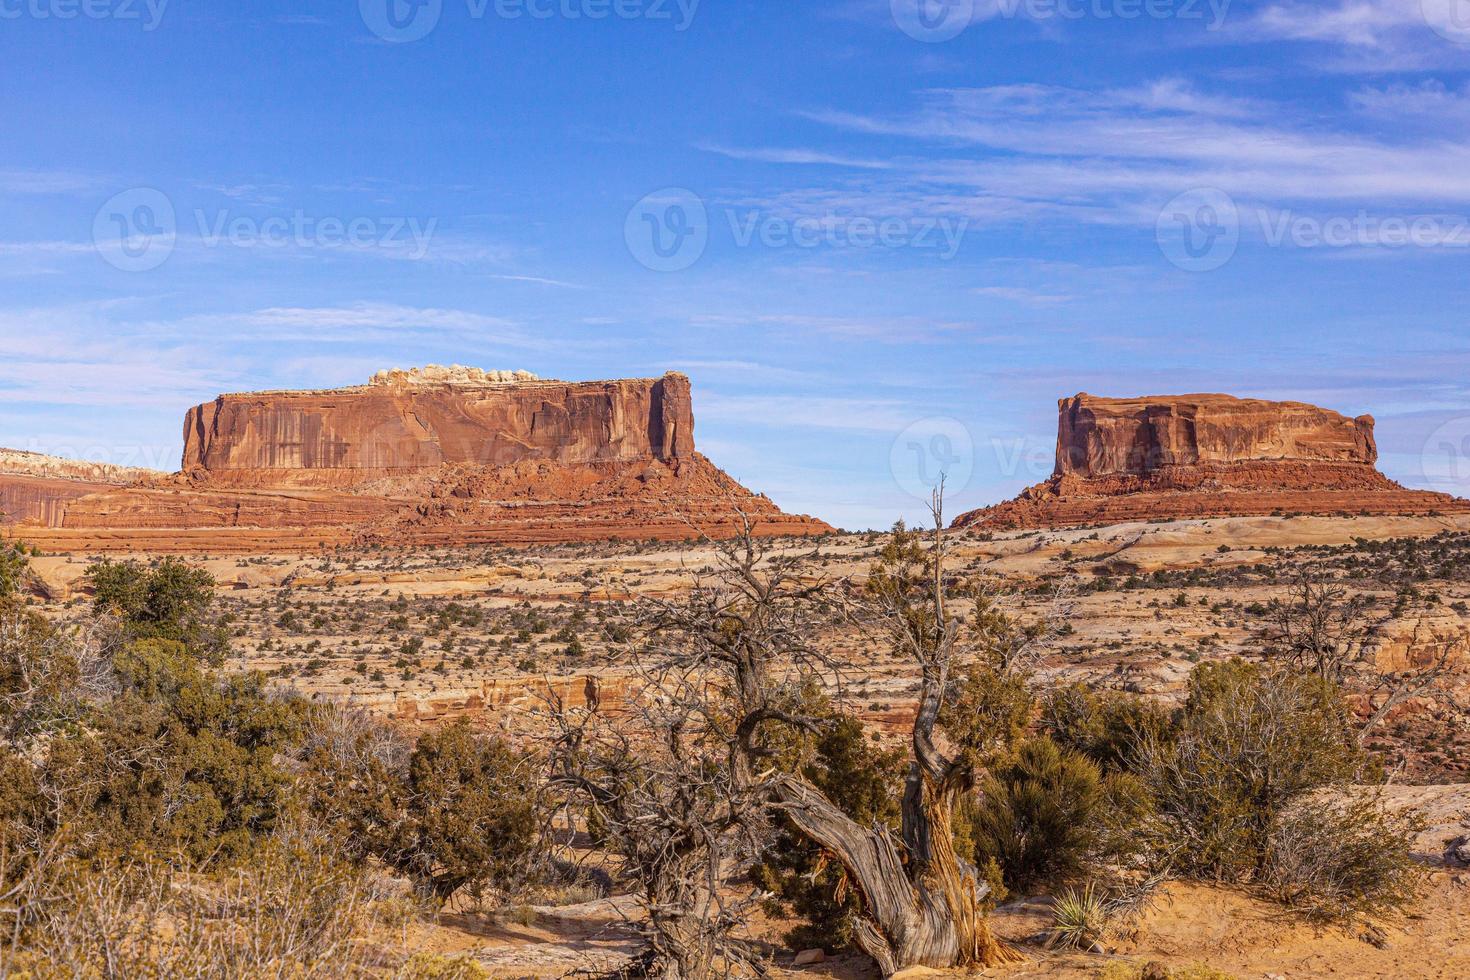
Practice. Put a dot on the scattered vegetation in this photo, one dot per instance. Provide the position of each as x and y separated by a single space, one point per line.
162 815
1049 816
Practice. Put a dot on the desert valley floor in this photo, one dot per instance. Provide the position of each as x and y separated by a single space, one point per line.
490 633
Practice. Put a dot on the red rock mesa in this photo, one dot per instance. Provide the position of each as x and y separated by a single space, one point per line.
1125 459
427 456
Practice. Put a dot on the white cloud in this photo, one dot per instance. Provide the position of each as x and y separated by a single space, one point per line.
1364 23
795 156
1363 36
353 322
898 329
1030 152
1430 103
1020 294
808 412
47 182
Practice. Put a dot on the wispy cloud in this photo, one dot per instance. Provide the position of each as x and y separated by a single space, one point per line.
809 412
1370 36
1020 294
1365 23
750 369
48 182
796 156
538 280
96 354
895 329
1429 103
1028 152
355 323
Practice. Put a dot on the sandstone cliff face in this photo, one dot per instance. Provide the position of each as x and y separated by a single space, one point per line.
442 456
1124 459
350 436
34 487
1098 437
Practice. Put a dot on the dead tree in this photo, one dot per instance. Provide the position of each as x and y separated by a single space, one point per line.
753 632
1440 658
923 906
1320 628
1323 629
734 660
659 793
671 779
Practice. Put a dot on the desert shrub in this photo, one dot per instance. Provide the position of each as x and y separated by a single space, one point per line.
40 674
179 759
471 818
456 811
1335 860
294 910
1250 740
988 710
170 600
133 740
1106 726
866 782
1049 815
13 567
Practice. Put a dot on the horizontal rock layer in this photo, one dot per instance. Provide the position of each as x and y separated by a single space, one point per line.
34 487
1126 459
351 436
456 462
1100 437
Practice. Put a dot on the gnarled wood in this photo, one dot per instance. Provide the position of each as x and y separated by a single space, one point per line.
922 904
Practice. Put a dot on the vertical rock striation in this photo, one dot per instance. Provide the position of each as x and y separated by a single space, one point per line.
350 436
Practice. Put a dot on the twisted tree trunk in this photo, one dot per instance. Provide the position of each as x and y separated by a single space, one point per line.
925 910
928 914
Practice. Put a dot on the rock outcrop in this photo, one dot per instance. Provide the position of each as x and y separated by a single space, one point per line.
38 488
351 436
1122 459
1105 437
430 456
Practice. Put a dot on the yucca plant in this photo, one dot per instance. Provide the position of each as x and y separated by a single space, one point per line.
1078 920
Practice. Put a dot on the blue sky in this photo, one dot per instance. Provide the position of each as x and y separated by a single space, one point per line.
890 233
